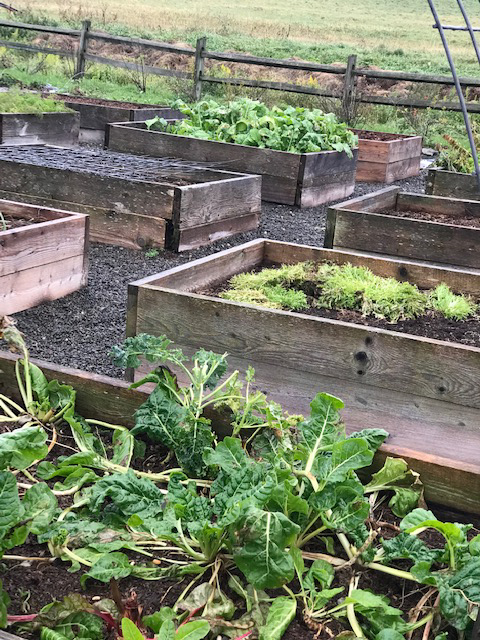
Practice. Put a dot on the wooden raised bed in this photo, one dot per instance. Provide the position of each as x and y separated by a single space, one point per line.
452 184
49 128
386 157
189 207
362 225
425 392
95 114
306 179
43 260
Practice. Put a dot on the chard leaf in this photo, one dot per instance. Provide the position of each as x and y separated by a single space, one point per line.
129 494
281 613
260 540
109 565
11 509
39 506
166 631
397 477
152 348
21 447
389 634
195 630
347 455
214 364
4 602
123 443
39 382
229 455
459 592
474 546
406 546
323 427
60 395
130 631
233 490
374 437
155 620
81 625
51 634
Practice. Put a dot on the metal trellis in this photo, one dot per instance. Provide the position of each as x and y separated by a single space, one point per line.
441 30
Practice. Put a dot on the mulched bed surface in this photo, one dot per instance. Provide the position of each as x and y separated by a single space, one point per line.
461 221
80 329
378 135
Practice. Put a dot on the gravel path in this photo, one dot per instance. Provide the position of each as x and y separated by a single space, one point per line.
80 329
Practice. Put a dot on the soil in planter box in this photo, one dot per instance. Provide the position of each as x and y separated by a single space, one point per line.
461 221
377 135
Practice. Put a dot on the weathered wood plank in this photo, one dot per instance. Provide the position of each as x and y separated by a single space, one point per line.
194 237
381 199
387 173
451 184
409 238
379 358
49 128
437 205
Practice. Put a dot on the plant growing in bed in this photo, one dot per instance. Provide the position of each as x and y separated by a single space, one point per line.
29 103
346 287
252 123
270 523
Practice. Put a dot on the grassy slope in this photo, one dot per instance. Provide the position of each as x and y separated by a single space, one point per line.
388 33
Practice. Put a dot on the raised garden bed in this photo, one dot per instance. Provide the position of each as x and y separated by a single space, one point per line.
43 255
423 391
96 113
452 184
408 225
302 179
386 157
135 202
56 128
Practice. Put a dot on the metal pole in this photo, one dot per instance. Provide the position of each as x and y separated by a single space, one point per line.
458 89
470 29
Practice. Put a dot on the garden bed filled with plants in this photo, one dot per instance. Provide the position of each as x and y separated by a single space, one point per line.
305 157
26 118
416 226
135 201
386 157
43 254
204 510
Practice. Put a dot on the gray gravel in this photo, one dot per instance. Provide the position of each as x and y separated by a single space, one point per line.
80 329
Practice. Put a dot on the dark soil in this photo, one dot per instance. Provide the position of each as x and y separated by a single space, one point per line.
461 221
378 135
80 329
110 164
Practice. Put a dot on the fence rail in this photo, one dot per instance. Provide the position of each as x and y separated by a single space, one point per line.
351 73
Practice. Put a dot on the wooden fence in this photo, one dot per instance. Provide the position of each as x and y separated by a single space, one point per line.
350 72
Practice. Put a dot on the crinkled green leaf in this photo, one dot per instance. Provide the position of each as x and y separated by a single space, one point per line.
323 427
374 437
214 364
229 455
110 565
397 477
11 508
152 348
459 592
155 620
39 505
4 602
129 494
281 613
21 447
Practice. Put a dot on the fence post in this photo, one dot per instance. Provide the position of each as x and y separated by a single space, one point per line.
349 89
198 70
82 49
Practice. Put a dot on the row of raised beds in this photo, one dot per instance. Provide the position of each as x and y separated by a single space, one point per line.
258 522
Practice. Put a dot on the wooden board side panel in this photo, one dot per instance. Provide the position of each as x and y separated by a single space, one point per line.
194 237
355 353
50 128
380 199
372 171
438 205
450 184
407 238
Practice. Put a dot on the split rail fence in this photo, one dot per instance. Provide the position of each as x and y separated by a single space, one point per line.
350 71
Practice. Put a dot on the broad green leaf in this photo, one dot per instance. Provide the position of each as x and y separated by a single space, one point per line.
11 509
229 455
110 565
21 447
81 625
459 592
374 437
60 395
406 546
397 477
39 382
281 613
347 455
152 348
321 572
389 634
155 620
260 540
415 518
474 546
129 494
123 443
39 506
130 631
51 634
166 631
323 427
195 630
4 602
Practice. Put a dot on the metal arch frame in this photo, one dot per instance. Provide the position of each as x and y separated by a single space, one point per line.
441 30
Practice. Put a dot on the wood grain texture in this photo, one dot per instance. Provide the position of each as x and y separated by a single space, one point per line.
194 237
451 184
51 128
434 449
371 171
409 238
44 260
381 199
97 116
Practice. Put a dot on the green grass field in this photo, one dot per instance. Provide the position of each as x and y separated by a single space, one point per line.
388 33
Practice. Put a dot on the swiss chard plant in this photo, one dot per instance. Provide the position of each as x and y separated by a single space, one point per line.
272 516
252 123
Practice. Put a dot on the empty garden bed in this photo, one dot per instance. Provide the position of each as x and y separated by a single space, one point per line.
43 255
424 391
452 184
303 179
133 201
407 225
386 157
